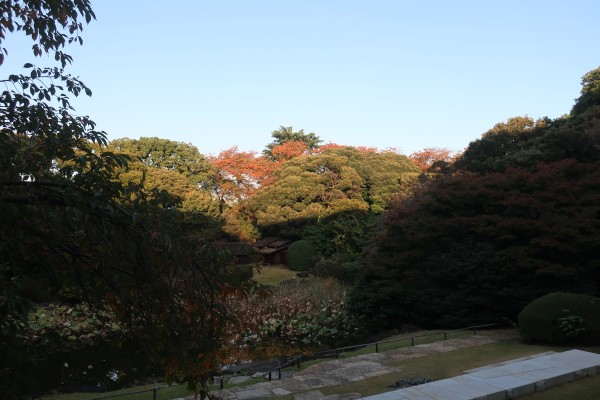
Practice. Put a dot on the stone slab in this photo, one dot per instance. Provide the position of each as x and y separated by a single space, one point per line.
577 359
506 380
475 387
234 380
311 395
514 386
256 393
400 395
442 390
544 379
470 371
293 385
280 391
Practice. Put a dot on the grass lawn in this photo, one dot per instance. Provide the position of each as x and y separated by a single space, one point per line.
273 275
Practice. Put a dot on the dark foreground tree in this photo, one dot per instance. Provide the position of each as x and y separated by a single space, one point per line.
477 248
69 238
518 218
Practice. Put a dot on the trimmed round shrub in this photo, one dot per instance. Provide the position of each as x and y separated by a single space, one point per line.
561 318
302 255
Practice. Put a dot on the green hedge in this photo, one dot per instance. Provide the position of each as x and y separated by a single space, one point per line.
302 255
561 318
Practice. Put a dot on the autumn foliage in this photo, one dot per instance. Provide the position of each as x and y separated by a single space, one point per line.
288 150
238 174
427 159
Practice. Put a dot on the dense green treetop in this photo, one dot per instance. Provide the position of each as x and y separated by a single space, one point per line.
490 153
523 142
545 141
338 180
590 92
167 154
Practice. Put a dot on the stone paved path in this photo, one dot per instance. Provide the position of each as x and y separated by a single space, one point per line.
305 384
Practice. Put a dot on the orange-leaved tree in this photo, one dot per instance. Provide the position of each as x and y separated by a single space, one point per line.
427 159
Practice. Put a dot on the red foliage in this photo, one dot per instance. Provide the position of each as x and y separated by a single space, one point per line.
424 159
288 150
329 146
239 174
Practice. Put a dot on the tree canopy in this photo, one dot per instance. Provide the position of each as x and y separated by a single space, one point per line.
476 248
339 180
170 155
286 134
590 92
433 159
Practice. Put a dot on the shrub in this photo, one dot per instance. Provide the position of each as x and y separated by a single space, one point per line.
302 255
299 317
331 268
561 318
240 273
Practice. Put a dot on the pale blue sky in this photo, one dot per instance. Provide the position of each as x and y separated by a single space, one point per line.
403 74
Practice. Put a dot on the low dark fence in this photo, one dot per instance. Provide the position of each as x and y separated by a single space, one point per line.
296 361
